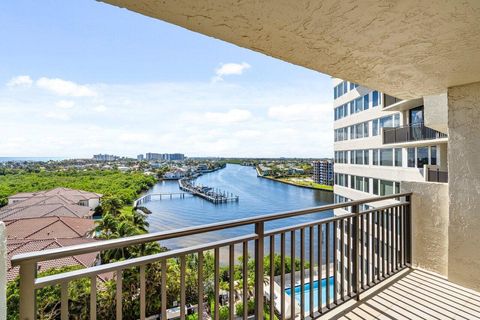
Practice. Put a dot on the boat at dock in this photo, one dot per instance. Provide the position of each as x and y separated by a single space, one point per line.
208 193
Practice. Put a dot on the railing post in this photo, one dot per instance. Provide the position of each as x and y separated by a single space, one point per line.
28 273
408 231
259 288
356 251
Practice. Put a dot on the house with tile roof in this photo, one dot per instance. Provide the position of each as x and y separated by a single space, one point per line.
70 196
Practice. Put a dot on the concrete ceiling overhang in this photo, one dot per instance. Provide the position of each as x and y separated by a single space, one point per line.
406 48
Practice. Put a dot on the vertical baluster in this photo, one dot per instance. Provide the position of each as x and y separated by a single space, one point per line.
292 275
302 273
259 253
320 267
387 230
64 300
28 273
272 275
362 251
231 294
335 261
402 237
200 285
163 284
119 295
377 218
369 235
395 238
93 297
342 259
142 292
182 287
216 282
327 266
384 242
311 271
282 277
245 280
356 251
349 256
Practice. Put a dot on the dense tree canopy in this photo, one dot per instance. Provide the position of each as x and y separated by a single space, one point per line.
124 185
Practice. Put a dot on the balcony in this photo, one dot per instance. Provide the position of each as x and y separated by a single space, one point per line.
410 133
436 175
350 253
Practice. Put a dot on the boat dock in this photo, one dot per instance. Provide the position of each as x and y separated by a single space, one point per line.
159 196
213 195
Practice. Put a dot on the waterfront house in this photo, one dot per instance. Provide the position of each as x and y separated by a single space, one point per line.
411 253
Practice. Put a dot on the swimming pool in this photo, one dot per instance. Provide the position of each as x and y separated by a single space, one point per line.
306 290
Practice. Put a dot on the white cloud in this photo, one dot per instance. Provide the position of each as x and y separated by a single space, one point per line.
300 112
199 119
65 104
64 87
230 69
57 116
232 116
100 108
20 81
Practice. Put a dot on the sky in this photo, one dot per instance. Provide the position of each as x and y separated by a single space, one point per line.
82 77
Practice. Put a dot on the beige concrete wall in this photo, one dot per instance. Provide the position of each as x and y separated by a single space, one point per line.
464 185
429 225
436 112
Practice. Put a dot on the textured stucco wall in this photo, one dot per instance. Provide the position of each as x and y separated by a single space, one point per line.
464 185
429 225
436 112
408 48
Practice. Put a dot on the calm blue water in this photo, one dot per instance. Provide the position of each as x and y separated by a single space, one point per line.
306 290
257 196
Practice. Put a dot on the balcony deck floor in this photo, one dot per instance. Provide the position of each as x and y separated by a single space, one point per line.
415 294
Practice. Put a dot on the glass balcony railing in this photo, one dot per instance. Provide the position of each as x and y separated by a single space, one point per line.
409 133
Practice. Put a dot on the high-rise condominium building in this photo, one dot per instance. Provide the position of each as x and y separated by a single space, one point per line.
323 172
380 141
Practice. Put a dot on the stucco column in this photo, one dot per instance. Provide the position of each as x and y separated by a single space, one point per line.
464 185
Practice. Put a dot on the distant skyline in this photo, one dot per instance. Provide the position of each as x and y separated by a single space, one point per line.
82 78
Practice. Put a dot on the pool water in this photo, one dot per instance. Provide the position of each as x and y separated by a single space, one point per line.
306 290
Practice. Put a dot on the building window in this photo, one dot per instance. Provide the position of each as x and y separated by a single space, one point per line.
359 157
366 187
365 102
433 155
411 157
397 187
352 157
422 156
375 127
375 99
386 157
365 129
359 183
375 157
386 187
398 157
375 186
366 159
352 182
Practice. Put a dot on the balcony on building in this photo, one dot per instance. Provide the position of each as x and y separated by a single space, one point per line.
411 133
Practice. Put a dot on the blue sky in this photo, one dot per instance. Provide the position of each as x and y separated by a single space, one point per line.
83 77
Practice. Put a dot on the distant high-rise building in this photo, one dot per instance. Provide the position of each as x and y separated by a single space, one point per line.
165 156
323 172
154 156
140 157
105 157
176 156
